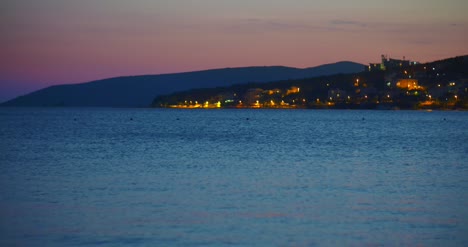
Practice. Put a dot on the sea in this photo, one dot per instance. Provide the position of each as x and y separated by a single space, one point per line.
231 177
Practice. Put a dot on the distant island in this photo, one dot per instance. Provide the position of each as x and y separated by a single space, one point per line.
391 84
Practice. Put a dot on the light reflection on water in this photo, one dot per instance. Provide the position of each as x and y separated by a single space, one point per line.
150 177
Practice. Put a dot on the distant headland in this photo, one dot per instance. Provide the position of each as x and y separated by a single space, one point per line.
390 84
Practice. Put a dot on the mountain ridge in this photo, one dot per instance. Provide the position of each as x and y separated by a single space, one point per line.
140 90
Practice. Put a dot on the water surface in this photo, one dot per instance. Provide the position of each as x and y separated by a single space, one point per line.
156 177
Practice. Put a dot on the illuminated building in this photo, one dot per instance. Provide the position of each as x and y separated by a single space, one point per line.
293 90
410 84
389 63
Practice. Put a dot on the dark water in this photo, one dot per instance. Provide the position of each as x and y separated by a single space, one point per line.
144 177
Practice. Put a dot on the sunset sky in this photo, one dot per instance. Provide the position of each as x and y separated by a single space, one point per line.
47 42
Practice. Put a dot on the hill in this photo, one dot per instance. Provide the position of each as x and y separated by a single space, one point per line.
139 91
437 85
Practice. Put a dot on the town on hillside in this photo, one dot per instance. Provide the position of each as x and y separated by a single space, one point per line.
390 84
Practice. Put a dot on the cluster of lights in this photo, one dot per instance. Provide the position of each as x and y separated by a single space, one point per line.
410 85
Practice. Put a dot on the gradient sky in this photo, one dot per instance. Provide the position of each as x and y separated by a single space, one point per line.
47 42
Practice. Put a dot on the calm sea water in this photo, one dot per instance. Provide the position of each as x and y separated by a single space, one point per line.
147 177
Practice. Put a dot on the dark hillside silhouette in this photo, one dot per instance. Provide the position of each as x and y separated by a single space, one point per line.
139 91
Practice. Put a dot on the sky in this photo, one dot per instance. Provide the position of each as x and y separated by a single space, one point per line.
48 42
